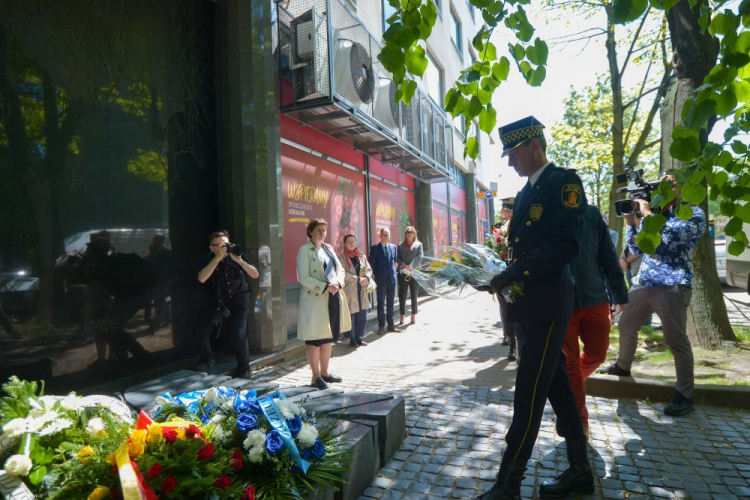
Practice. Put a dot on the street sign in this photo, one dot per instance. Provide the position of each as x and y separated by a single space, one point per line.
488 195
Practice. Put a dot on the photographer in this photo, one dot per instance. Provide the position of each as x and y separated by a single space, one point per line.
664 287
227 280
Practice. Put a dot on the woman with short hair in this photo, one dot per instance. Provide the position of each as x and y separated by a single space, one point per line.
410 253
323 311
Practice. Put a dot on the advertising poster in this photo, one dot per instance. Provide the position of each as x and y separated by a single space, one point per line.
311 188
390 207
482 222
439 227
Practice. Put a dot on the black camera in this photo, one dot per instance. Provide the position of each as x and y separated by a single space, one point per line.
232 248
637 189
220 312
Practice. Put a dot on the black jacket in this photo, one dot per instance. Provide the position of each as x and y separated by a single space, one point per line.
596 262
545 234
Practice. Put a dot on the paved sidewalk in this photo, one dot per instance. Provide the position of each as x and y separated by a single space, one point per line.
458 388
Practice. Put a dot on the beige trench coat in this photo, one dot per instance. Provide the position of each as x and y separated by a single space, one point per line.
313 322
350 283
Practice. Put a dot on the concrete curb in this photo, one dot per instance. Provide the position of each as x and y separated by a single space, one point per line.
610 386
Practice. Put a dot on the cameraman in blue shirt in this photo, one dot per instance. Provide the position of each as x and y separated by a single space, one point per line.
664 288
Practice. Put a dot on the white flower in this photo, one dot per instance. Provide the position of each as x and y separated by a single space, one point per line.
162 401
254 438
211 394
72 402
35 424
287 408
95 426
256 454
307 435
243 393
15 427
18 465
56 426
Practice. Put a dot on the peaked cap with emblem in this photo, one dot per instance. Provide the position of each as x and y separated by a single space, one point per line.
516 133
509 202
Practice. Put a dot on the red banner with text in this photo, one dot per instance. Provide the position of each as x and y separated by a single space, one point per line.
313 188
390 207
439 228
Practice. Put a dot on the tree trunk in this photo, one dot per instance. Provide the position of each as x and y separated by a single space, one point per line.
695 54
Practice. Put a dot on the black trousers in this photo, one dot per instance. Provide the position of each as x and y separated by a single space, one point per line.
509 329
403 286
541 375
236 328
334 315
386 296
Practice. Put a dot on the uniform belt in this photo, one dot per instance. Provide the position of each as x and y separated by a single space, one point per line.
516 253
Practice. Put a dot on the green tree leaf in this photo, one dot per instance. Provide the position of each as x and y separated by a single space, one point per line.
488 53
474 108
726 101
624 11
685 148
408 88
488 119
733 226
538 52
412 18
518 52
736 248
472 148
684 212
416 61
429 12
501 69
742 90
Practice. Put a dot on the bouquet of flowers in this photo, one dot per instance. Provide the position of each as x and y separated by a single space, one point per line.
461 269
274 444
498 242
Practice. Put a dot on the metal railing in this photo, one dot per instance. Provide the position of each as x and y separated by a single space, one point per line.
329 58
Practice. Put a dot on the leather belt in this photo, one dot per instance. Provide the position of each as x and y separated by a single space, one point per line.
515 253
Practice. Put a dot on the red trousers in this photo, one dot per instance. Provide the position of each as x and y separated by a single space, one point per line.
592 326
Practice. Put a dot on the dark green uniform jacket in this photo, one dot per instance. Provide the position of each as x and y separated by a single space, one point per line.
545 234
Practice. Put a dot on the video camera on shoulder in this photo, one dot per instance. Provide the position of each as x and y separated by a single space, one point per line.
637 189
233 248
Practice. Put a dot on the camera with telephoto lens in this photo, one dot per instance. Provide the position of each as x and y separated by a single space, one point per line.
637 189
233 248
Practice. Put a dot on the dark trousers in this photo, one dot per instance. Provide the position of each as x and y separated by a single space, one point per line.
6 323
159 296
359 324
236 327
403 286
334 315
541 375
386 297
509 328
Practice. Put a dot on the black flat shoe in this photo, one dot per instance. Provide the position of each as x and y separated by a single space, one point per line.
361 342
320 384
615 370
331 378
353 343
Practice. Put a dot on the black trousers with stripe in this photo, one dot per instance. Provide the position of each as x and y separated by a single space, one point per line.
541 375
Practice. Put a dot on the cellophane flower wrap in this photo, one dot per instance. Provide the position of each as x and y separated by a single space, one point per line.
461 269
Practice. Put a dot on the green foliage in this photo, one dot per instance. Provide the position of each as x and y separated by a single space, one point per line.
709 168
471 96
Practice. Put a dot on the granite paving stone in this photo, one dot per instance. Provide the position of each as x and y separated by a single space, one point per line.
457 388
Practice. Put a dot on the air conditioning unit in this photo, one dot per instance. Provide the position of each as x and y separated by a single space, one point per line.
354 75
310 55
386 110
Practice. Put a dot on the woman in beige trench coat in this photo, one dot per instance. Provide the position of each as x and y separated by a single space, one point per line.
359 283
323 310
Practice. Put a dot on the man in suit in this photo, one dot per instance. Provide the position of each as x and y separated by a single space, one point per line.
383 262
544 236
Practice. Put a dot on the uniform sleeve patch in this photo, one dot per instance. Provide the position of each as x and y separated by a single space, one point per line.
572 194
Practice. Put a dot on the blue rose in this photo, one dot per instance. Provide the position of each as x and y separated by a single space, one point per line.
247 422
274 442
250 406
315 452
294 425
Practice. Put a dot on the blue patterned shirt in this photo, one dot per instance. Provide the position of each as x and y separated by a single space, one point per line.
670 264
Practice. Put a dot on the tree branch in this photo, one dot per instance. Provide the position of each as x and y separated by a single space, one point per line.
635 38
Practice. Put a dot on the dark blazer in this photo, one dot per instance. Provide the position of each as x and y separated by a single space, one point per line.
383 270
545 234
411 257
596 270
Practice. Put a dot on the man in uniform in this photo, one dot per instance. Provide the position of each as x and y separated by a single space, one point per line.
544 237
509 328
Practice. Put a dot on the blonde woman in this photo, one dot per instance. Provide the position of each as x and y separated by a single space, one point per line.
323 310
410 253
359 282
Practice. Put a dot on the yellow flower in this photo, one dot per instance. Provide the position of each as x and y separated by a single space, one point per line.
180 433
111 459
85 455
99 493
136 443
436 264
154 434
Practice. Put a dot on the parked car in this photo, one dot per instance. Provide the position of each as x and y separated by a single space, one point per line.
738 266
721 259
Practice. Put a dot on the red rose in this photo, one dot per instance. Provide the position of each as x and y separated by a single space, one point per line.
169 436
237 462
154 471
192 431
504 255
223 482
249 493
206 452
169 484
499 239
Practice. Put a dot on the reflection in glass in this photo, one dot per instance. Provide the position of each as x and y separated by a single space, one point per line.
100 105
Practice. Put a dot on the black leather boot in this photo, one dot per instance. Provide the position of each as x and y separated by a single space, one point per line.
578 478
508 484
